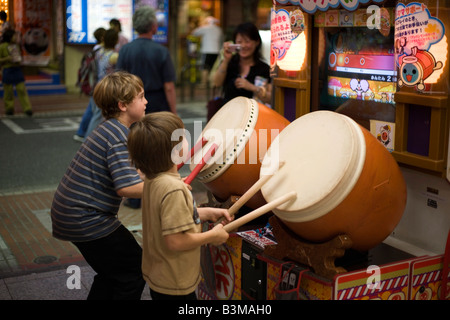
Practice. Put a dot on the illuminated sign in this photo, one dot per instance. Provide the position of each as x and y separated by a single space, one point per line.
420 46
83 17
311 6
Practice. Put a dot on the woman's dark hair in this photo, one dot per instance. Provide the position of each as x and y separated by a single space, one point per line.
249 30
99 34
110 39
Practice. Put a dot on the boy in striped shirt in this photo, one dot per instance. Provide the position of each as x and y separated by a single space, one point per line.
86 202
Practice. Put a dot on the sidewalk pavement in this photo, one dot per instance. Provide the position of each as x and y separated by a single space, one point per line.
33 264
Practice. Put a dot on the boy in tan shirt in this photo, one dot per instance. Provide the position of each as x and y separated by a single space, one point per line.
172 234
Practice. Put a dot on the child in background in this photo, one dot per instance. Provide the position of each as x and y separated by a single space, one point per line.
10 59
105 59
99 35
171 222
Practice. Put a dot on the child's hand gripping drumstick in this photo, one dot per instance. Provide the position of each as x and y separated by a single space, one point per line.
249 193
260 211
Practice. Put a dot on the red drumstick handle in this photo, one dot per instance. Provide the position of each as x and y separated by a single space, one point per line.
202 163
200 144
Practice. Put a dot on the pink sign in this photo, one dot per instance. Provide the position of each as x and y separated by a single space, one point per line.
285 27
417 37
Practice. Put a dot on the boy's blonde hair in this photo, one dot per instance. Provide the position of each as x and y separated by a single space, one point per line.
150 142
119 86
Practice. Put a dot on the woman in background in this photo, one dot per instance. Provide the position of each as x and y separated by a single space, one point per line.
242 71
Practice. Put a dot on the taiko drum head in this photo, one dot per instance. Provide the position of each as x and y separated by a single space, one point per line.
323 154
345 179
230 129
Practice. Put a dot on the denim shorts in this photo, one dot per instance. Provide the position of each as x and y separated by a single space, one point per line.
13 75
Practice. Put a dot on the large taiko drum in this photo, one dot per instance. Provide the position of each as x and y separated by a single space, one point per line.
243 129
346 181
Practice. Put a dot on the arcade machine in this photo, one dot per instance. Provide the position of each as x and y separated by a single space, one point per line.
352 183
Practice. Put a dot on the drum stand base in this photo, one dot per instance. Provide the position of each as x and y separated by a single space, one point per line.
318 256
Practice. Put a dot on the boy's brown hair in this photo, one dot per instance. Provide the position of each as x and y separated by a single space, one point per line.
150 142
119 86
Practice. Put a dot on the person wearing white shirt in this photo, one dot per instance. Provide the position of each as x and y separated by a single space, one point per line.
211 42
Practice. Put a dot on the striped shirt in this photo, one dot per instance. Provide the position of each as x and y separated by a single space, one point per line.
86 203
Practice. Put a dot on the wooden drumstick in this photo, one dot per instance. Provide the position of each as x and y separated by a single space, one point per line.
202 163
251 192
200 144
260 211
248 194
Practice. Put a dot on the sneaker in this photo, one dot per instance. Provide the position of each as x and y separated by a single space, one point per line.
9 112
29 112
78 138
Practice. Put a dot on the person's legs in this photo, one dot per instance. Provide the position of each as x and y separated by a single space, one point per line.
8 98
85 119
96 118
117 260
23 98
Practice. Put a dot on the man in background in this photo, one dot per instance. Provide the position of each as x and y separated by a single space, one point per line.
151 62
211 42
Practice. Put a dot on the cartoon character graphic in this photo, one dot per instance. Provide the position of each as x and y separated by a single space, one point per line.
417 67
36 41
274 52
400 44
385 26
360 87
384 136
297 21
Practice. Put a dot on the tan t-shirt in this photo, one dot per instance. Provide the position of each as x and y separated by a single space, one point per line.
168 208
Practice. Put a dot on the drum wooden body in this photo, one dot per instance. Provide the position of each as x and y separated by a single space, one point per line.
243 129
346 181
